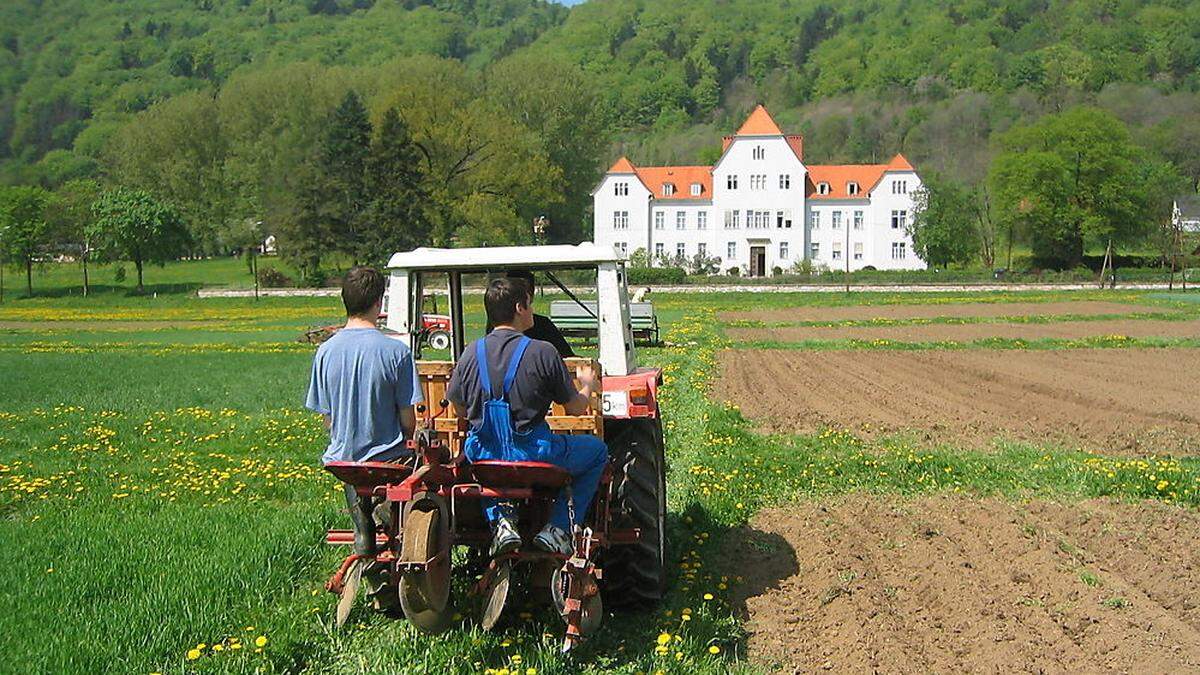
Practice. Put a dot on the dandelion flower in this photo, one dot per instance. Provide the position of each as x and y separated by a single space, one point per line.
260 641
714 650
193 654
708 596
664 638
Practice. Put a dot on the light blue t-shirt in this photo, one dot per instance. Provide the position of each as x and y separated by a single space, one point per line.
361 379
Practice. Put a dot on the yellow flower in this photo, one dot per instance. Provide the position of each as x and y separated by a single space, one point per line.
516 659
531 671
708 596
714 650
193 654
217 648
660 650
664 638
260 641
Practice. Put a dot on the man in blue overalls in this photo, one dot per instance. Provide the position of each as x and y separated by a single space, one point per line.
505 382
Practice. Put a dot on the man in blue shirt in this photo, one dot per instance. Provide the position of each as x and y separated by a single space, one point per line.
365 386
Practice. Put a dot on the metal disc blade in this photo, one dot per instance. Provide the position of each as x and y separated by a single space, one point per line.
349 592
593 607
425 596
496 595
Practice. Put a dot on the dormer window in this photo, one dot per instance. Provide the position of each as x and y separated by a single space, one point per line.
697 189
668 189
822 188
851 188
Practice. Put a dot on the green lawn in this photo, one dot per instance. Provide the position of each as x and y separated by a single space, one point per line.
160 490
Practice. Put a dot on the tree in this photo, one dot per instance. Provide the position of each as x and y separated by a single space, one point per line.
133 225
23 230
1069 178
395 214
942 227
342 173
69 217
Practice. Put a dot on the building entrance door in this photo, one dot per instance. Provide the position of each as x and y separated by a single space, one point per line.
758 261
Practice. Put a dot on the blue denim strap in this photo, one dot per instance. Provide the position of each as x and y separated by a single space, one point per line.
481 364
511 375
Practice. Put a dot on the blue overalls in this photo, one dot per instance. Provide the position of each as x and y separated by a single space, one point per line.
582 456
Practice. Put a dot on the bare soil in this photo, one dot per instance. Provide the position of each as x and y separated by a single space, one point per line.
951 584
975 331
1116 401
928 311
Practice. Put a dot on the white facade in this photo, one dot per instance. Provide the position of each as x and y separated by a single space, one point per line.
759 208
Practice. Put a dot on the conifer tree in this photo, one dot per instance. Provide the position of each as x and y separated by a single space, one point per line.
396 218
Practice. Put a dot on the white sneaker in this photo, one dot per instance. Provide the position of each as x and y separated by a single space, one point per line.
554 539
505 538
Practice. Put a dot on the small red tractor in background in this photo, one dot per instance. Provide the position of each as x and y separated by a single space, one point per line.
434 332
431 506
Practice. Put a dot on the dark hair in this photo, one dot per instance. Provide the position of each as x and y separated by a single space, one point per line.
502 298
361 289
526 275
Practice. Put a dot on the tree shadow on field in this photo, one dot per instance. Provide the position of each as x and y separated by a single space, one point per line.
762 560
108 289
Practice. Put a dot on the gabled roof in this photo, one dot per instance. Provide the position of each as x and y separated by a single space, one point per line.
502 257
622 165
839 176
759 123
682 177
1188 205
899 163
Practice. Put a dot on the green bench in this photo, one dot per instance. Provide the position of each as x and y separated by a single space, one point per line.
573 320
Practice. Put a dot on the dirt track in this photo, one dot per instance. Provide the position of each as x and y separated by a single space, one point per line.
949 584
928 311
1116 401
974 331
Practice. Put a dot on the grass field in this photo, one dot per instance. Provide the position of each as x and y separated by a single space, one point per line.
163 505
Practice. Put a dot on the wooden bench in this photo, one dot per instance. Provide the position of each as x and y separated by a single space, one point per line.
574 320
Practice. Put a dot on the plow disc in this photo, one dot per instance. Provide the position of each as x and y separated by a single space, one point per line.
495 595
577 599
349 592
425 564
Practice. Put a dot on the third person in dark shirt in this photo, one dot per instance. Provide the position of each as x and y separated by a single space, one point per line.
543 328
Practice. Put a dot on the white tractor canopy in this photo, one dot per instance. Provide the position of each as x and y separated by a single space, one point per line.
410 270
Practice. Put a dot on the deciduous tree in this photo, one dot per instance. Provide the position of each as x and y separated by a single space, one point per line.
23 230
133 225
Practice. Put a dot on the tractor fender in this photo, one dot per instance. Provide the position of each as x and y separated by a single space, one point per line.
632 396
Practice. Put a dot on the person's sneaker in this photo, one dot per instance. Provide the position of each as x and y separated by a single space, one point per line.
505 538
554 539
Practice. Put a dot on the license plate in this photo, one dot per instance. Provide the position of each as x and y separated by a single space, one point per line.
616 404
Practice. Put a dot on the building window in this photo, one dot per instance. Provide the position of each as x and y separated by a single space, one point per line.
621 189
814 250
680 220
899 187
758 181
851 188
622 247
737 219
898 252
620 220
858 220
731 251
680 250
779 220
759 152
837 220
898 219
658 220
702 220
785 181
822 188
668 189
858 250
814 220
697 189
783 250
731 181
702 249
837 250
658 250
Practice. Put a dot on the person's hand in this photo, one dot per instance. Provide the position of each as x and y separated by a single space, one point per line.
587 377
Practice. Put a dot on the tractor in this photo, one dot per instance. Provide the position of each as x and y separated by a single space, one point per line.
428 514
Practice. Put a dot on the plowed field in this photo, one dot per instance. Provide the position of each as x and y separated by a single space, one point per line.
1115 401
927 311
949 584
974 331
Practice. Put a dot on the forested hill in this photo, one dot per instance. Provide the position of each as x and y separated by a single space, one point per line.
515 107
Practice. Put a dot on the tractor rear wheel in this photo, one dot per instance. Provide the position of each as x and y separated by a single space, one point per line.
635 574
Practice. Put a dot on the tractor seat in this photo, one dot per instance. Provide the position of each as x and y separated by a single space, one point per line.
495 473
369 474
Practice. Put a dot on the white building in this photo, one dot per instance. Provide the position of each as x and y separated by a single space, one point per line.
761 208
1185 213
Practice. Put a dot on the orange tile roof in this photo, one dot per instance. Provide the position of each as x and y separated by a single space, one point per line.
759 123
899 163
796 143
839 176
682 177
622 165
